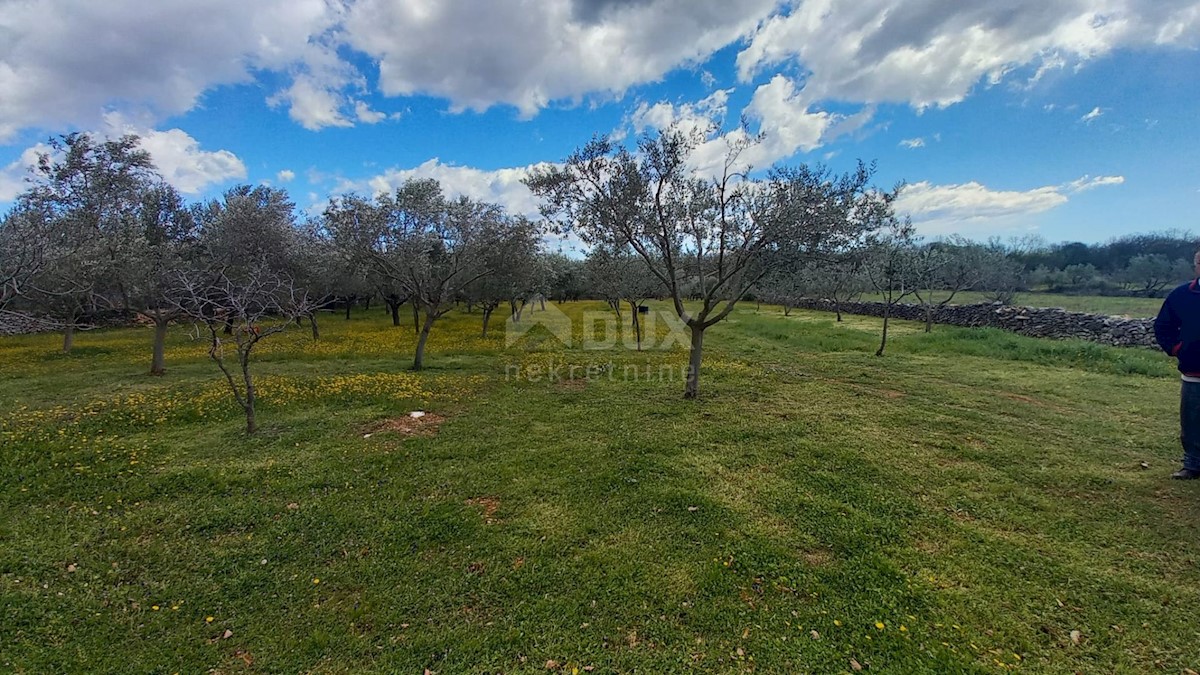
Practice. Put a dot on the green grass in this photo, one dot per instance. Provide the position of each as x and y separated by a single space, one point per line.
1094 304
979 495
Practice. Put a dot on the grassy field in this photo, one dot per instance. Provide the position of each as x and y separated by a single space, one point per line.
1096 304
973 502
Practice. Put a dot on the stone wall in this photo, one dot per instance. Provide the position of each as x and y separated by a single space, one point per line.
1043 322
17 323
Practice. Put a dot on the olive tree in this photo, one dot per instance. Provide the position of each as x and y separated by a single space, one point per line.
163 245
942 270
427 245
254 302
889 267
1150 273
784 286
620 276
88 195
838 278
720 233
509 252
23 248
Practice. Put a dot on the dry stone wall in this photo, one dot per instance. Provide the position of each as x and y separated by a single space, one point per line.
1045 322
16 323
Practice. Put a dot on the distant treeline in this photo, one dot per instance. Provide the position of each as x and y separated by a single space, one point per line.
1137 264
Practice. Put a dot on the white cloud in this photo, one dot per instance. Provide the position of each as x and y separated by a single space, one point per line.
179 157
12 176
933 52
363 112
499 186
313 105
285 176
783 118
1088 182
64 62
973 208
787 119
1096 112
689 117
913 143
529 53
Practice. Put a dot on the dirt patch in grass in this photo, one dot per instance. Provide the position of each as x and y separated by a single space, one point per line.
426 425
490 506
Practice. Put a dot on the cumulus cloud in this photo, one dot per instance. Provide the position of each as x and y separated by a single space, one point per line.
312 105
13 176
177 155
788 121
529 54
971 207
64 62
366 115
285 176
700 116
780 116
933 52
499 186
912 143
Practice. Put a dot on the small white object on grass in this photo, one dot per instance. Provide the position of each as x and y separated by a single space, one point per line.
417 413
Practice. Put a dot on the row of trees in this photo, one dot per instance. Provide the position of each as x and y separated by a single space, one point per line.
706 242
99 232
1137 264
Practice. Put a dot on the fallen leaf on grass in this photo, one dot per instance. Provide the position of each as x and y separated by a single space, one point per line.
1076 637
71 567
855 665
227 634
815 635
552 665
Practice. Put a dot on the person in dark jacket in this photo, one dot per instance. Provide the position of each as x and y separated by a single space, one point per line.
1177 330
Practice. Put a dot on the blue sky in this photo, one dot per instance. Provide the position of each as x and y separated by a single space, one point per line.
1073 121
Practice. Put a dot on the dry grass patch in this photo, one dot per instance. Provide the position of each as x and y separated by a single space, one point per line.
408 425
490 506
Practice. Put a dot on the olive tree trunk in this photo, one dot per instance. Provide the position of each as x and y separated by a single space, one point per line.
887 311
692 388
69 335
419 357
158 364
